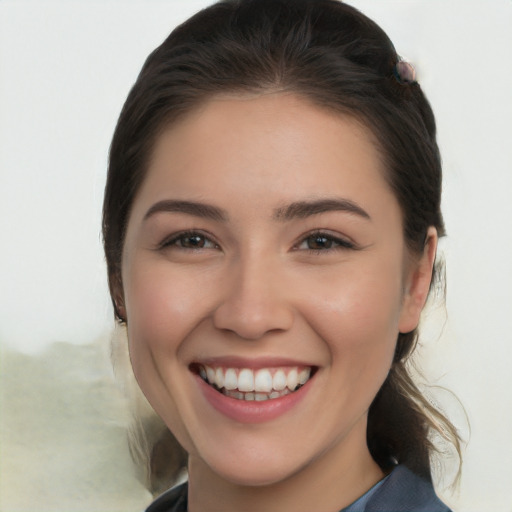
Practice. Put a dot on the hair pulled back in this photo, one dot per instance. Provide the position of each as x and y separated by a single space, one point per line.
338 59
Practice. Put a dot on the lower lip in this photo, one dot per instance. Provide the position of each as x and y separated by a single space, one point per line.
251 411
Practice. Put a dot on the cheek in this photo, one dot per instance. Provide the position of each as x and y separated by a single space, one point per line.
357 316
163 306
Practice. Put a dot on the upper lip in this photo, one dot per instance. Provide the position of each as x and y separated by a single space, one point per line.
253 363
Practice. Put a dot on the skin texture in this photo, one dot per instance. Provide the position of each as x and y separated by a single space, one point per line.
257 288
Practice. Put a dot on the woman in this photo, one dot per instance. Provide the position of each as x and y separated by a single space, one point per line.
271 219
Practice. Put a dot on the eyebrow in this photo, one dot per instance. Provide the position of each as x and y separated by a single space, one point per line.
295 210
202 210
303 209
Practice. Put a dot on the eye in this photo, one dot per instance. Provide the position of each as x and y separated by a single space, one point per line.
321 241
190 240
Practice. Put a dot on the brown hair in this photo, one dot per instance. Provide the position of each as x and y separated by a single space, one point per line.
337 58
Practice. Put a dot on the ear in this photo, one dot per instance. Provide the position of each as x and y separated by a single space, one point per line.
116 290
417 284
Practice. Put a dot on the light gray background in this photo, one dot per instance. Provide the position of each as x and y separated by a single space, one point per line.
65 70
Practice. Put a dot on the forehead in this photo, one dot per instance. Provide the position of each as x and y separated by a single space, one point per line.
270 146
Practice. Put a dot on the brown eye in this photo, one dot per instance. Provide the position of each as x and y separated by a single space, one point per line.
317 242
320 242
189 241
192 241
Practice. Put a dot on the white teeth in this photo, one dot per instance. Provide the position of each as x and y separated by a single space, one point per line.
292 379
279 380
304 375
246 380
235 394
219 378
230 379
210 375
263 384
263 381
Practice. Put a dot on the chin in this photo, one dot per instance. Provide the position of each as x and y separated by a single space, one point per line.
253 469
255 476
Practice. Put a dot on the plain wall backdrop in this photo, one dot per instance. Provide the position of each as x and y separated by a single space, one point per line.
65 70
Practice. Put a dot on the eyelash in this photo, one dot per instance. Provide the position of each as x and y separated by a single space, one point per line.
339 243
173 241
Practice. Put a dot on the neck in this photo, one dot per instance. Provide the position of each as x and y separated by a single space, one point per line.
332 481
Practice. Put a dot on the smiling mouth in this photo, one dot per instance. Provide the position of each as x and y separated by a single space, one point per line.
254 385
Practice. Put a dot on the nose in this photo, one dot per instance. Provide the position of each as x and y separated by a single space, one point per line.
253 301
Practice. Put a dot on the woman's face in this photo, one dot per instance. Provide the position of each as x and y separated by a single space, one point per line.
265 249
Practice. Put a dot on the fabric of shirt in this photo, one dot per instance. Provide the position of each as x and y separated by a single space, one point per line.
400 491
360 504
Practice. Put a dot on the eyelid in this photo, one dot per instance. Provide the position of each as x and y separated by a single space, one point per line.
170 241
342 242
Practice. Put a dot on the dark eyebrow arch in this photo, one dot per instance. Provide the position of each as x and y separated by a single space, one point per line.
197 209
303 209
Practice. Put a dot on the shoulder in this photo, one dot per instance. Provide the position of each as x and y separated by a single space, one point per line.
174 500
404 491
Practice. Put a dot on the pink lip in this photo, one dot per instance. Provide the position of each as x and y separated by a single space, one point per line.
262 362
251 411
